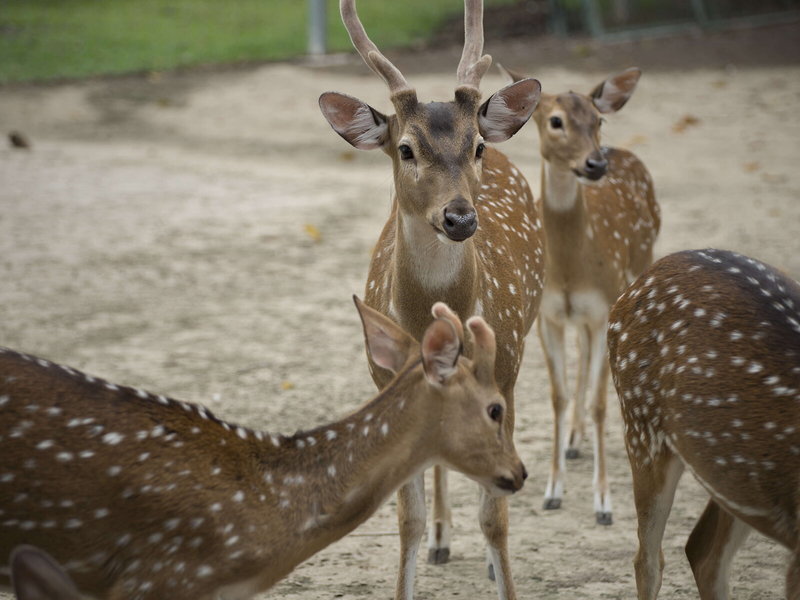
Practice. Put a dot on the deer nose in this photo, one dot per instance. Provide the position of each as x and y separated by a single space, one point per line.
524 473
460 220
595 167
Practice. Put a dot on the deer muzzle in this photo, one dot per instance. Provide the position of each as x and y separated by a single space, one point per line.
460 220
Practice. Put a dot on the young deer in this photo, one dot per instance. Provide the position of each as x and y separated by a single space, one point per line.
35 575
600 221
143 497
463 229
705 354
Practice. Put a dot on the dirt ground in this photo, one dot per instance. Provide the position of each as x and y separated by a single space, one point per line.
200 234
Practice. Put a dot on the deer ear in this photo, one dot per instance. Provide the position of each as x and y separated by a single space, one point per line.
357 122
502 115
485 348
37 576
387 344
614 92
441 347
509 74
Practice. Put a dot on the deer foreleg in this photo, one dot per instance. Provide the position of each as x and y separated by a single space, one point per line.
576 426
411 520
441 525
494 524
551 335
597 380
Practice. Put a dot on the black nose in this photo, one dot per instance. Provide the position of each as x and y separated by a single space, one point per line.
460 220
524 473
595 167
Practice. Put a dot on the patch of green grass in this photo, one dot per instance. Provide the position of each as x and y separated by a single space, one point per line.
47 39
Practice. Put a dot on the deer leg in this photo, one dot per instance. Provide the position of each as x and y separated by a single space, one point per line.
494 524
793 576
441 525
551 335
597 383
653 492
411 520
711 548
576 426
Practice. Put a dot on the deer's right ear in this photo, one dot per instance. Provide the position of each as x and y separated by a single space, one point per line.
388 344
36 575
357 122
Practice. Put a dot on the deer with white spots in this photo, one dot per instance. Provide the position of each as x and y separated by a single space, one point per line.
142 497
463 229
601 220
705 354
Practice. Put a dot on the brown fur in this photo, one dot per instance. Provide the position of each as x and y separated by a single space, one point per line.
142 497
705 353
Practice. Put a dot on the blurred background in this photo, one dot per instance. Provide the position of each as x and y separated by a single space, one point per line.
51 39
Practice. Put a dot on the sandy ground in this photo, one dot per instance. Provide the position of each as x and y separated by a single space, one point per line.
200 235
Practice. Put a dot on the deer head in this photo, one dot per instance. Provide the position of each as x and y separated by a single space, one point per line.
569 124
435 148
457 389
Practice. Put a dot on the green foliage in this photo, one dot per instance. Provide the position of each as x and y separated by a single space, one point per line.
46 39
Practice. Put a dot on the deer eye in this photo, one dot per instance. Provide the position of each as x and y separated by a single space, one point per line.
479 150
405 152
556 122
495 412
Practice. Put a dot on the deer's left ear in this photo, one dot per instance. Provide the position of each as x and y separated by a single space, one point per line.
502 115
441 348
614 92
389 346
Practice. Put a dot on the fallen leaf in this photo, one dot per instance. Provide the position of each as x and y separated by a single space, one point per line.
312 232
751 167
684 123
347 156
287 385
719 84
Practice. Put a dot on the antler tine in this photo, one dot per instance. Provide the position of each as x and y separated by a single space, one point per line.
368 50
473 66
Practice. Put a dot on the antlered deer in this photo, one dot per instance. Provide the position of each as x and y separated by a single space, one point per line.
141 497
463 229
705 354
601 220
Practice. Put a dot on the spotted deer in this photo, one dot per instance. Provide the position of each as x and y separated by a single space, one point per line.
463 229
601 220
142 497
36 575
705 354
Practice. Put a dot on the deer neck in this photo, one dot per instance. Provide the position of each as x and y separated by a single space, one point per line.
427 269
563 213
352 466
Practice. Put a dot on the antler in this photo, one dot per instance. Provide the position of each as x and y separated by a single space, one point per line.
369 51
473 66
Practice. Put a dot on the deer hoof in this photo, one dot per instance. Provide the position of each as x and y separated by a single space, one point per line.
491 572
604 518
438 556
552 503
572 453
